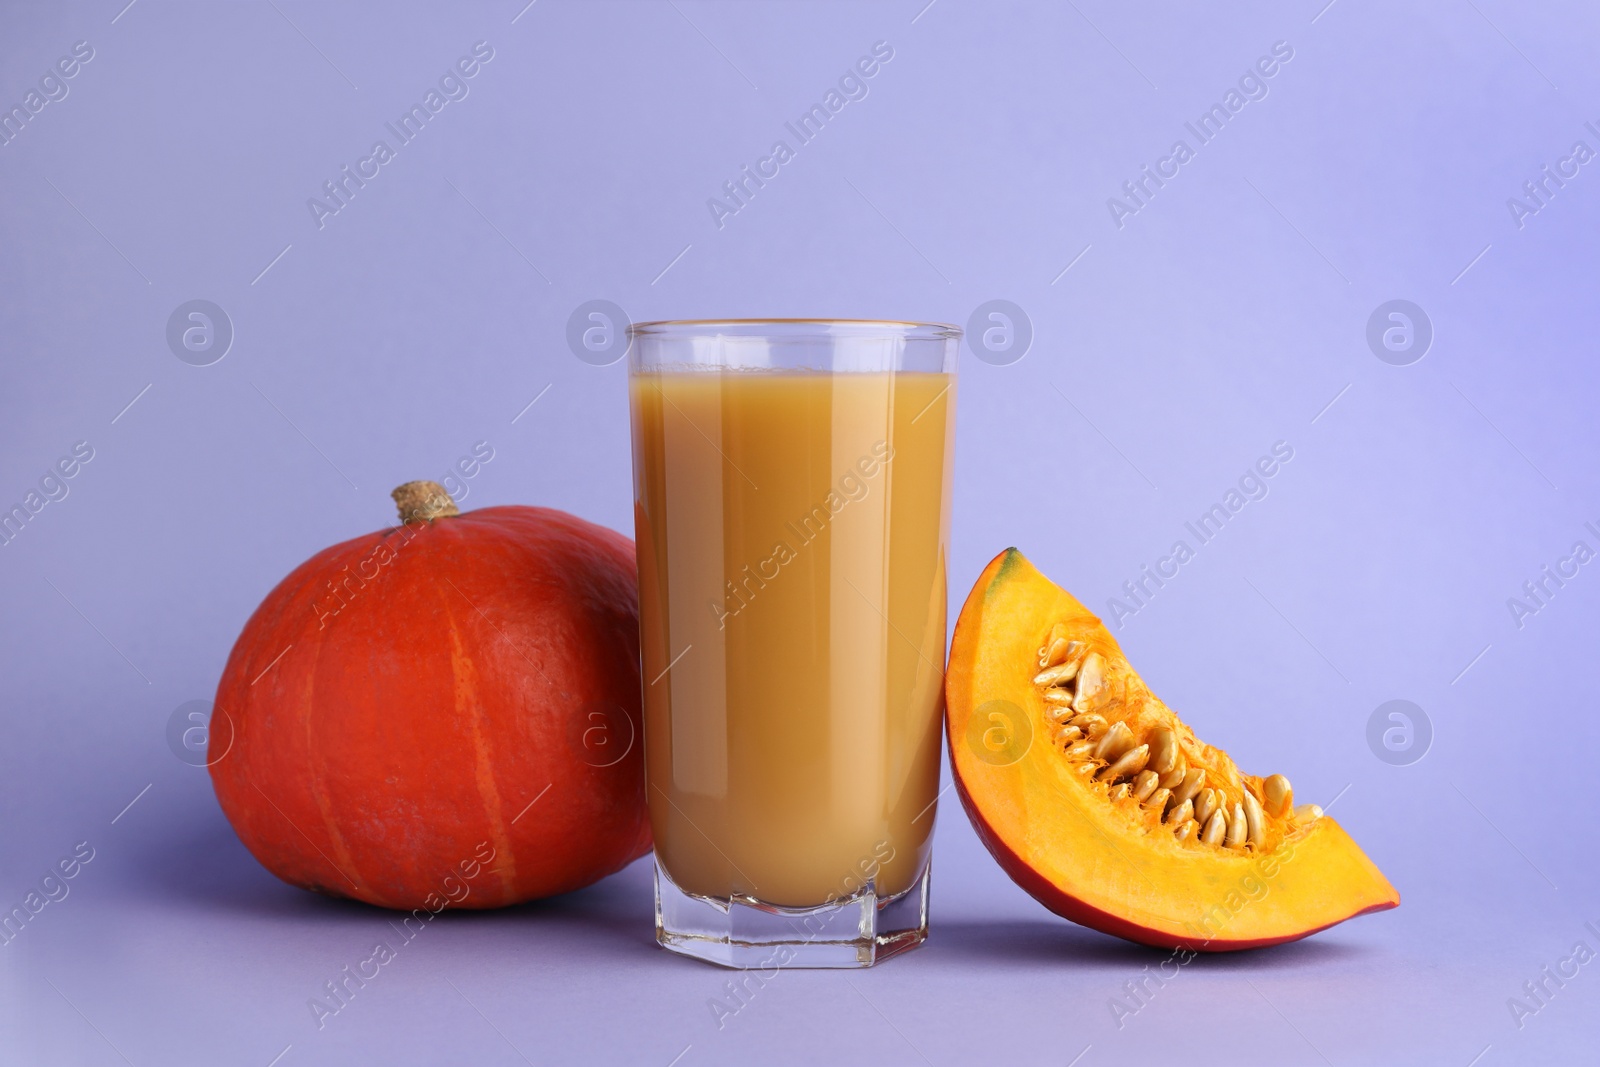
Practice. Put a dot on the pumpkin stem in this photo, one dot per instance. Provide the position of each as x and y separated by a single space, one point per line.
424 502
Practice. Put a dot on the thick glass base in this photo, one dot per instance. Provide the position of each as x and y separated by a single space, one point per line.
856 931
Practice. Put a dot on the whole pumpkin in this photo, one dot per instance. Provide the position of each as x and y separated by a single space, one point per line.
444 713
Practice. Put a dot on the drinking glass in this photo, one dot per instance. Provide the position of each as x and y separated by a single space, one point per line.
791 489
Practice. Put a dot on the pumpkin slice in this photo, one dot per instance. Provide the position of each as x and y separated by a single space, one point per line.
1102 804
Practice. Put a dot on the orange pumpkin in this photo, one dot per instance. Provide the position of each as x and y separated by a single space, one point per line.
1102 804
444 713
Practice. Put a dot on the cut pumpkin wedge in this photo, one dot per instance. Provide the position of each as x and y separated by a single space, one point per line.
1097 800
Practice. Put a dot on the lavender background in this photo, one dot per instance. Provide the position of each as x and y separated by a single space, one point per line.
1169 353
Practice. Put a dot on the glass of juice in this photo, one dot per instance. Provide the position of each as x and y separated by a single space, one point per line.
791 488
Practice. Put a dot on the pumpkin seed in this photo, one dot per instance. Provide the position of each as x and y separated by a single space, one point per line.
1181 813
1091 724
1065 735
1117 740
1278 795
1058 651
1130 763
1091 679
1056 675
1163 750
1237 828
1191 785
1174 778
1255 822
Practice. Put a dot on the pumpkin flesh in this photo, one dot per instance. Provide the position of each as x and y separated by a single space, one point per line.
1104 860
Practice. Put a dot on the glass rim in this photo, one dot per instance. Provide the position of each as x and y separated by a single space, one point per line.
825 328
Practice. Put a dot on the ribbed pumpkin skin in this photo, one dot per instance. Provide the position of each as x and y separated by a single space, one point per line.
466 664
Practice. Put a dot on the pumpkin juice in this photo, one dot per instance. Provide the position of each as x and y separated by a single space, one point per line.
791 533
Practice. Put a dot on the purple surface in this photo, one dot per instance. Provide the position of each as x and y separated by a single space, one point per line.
1230 312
